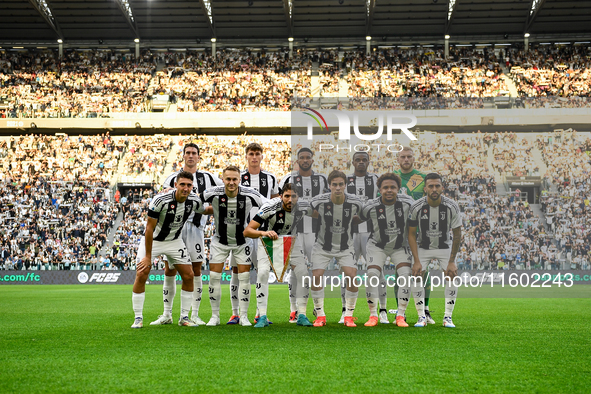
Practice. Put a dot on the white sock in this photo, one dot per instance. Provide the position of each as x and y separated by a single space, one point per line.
372 291
383 292
262 290
292 284
451 293
186 299
301 290
168 293
418 293
234 285
318 299
404 291
343 291
351 299
197 291
215 292
244 291
137 300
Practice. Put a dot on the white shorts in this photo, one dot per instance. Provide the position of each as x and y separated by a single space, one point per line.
360 245
253 255
298 255
193 238
377 256
175 251
242 254
442 255
321 258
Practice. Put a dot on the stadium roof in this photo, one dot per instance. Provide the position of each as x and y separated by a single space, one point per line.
273 21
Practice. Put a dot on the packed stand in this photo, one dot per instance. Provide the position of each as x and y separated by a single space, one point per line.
47 225
145 158
82 84
234 80
560 72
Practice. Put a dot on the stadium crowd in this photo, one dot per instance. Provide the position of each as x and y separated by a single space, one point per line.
89 83
55 192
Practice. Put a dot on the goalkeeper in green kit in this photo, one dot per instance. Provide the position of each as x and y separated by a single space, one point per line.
413 182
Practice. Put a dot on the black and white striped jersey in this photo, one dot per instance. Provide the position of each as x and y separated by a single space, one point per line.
231 215
307 187
276 218
388 228
366 188
435 223
201 180
335 221
171 214
264 182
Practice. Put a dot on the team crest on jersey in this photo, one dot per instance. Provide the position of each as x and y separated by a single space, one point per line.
241 204
399 212
263 182
347 212
442 215
368 181
315 181
201 181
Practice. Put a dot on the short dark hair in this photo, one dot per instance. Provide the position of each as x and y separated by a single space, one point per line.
286 187
302 150
433 175
361 153
336 174
389 176
184 174
253 146
231 168
190 145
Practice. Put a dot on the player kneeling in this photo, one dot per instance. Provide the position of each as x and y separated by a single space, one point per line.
388 216
167 215
279 216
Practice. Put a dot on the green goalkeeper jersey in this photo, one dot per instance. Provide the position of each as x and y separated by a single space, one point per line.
412 183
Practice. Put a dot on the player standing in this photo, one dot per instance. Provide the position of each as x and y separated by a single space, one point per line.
266 184
335 211
167 215
434 216
364 185
388 215
192 236
413 183
307 184
232 205
279 216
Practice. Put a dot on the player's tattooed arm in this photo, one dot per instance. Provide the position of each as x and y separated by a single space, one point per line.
452 269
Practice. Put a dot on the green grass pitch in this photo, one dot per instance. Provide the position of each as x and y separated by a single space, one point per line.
78 339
